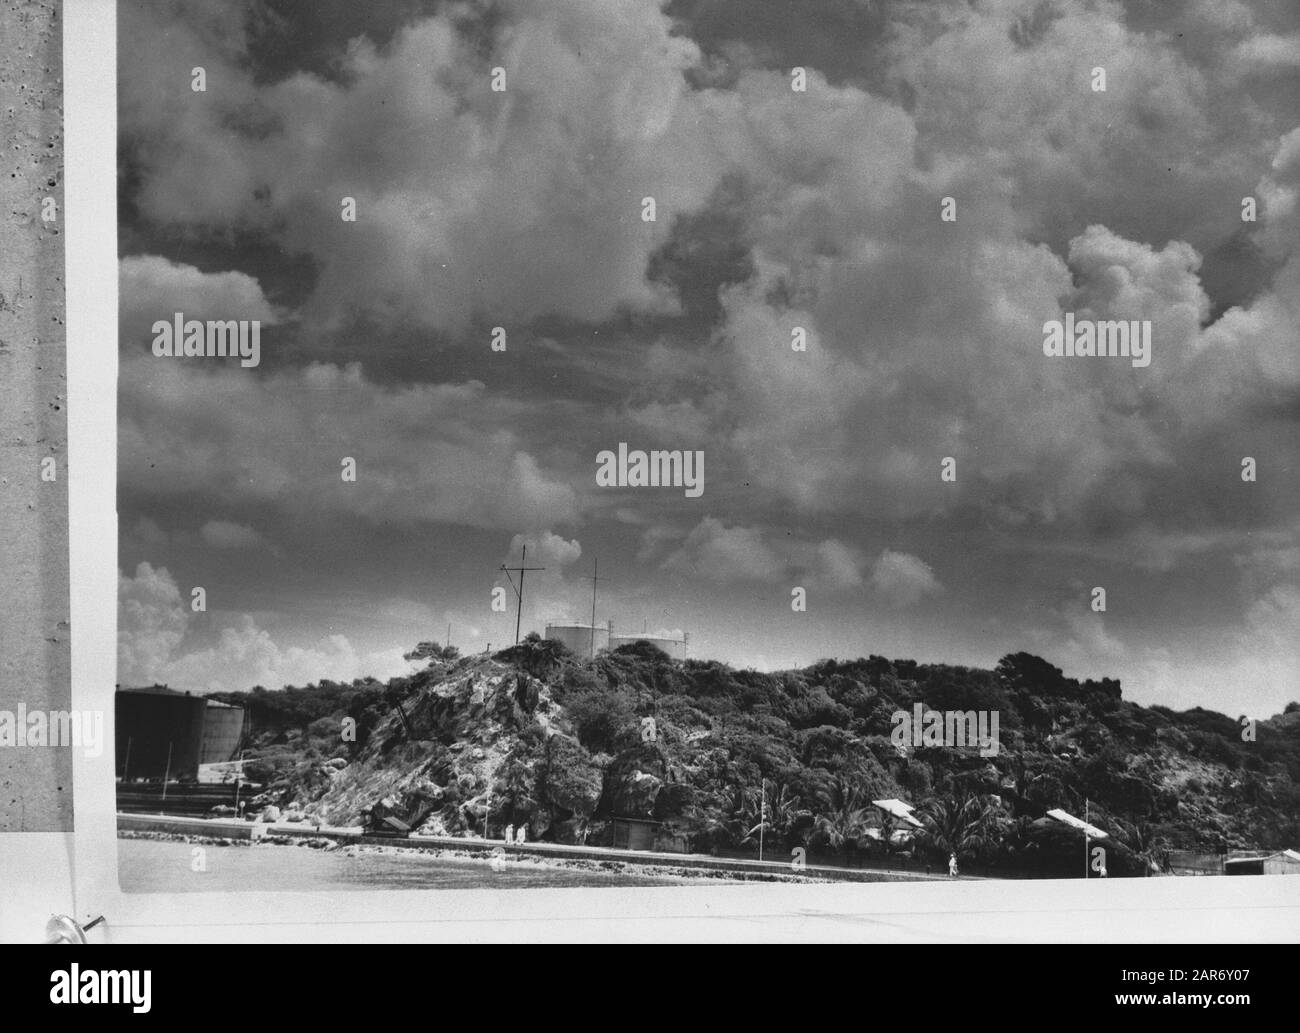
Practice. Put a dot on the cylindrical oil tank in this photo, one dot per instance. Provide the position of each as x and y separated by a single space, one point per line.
159 732
223 728
578 637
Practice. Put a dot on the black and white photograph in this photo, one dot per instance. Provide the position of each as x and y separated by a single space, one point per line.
605 444
792 448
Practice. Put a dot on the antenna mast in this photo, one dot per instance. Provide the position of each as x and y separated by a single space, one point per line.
519 592
595 568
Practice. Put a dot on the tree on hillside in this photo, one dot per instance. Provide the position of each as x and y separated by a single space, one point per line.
956 827
775 813
1145 841
844 815
540 657
571 781
1028 673
886 825
432 652
603 719
731 824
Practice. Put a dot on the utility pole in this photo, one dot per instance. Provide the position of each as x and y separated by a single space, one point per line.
519 592
239 774
167 772
595 568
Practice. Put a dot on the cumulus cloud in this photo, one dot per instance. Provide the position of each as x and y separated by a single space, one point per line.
716 553
1122 279
556 591
839 564
1280 192
151 619
924 339
902 580
1009 103
921 337
511 204
246 655
862 421
549 549
152 287
152 623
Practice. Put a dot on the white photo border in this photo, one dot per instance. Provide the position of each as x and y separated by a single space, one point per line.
1257 909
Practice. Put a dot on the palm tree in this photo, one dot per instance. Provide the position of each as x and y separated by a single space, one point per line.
775 816
783 810
1141 837
733 827
957 827
845 817
751 815
887 824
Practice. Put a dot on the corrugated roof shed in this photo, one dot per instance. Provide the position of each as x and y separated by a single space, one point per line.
1076 823
900 810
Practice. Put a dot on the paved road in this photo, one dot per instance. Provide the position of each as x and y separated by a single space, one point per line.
242 829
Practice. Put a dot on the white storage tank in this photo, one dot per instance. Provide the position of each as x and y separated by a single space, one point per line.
578 637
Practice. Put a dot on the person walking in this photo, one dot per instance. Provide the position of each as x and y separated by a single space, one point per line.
952 866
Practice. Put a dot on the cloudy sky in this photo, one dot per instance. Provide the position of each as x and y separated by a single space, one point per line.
775 208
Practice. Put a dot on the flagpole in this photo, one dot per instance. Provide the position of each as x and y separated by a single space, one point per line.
167 772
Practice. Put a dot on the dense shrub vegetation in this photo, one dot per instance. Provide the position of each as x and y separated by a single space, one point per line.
562 746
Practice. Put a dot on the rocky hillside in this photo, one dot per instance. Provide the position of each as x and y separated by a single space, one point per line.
538 738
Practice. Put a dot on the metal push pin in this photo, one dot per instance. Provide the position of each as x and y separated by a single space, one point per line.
62 929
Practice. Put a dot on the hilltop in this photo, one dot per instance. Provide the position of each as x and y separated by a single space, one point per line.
534 736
